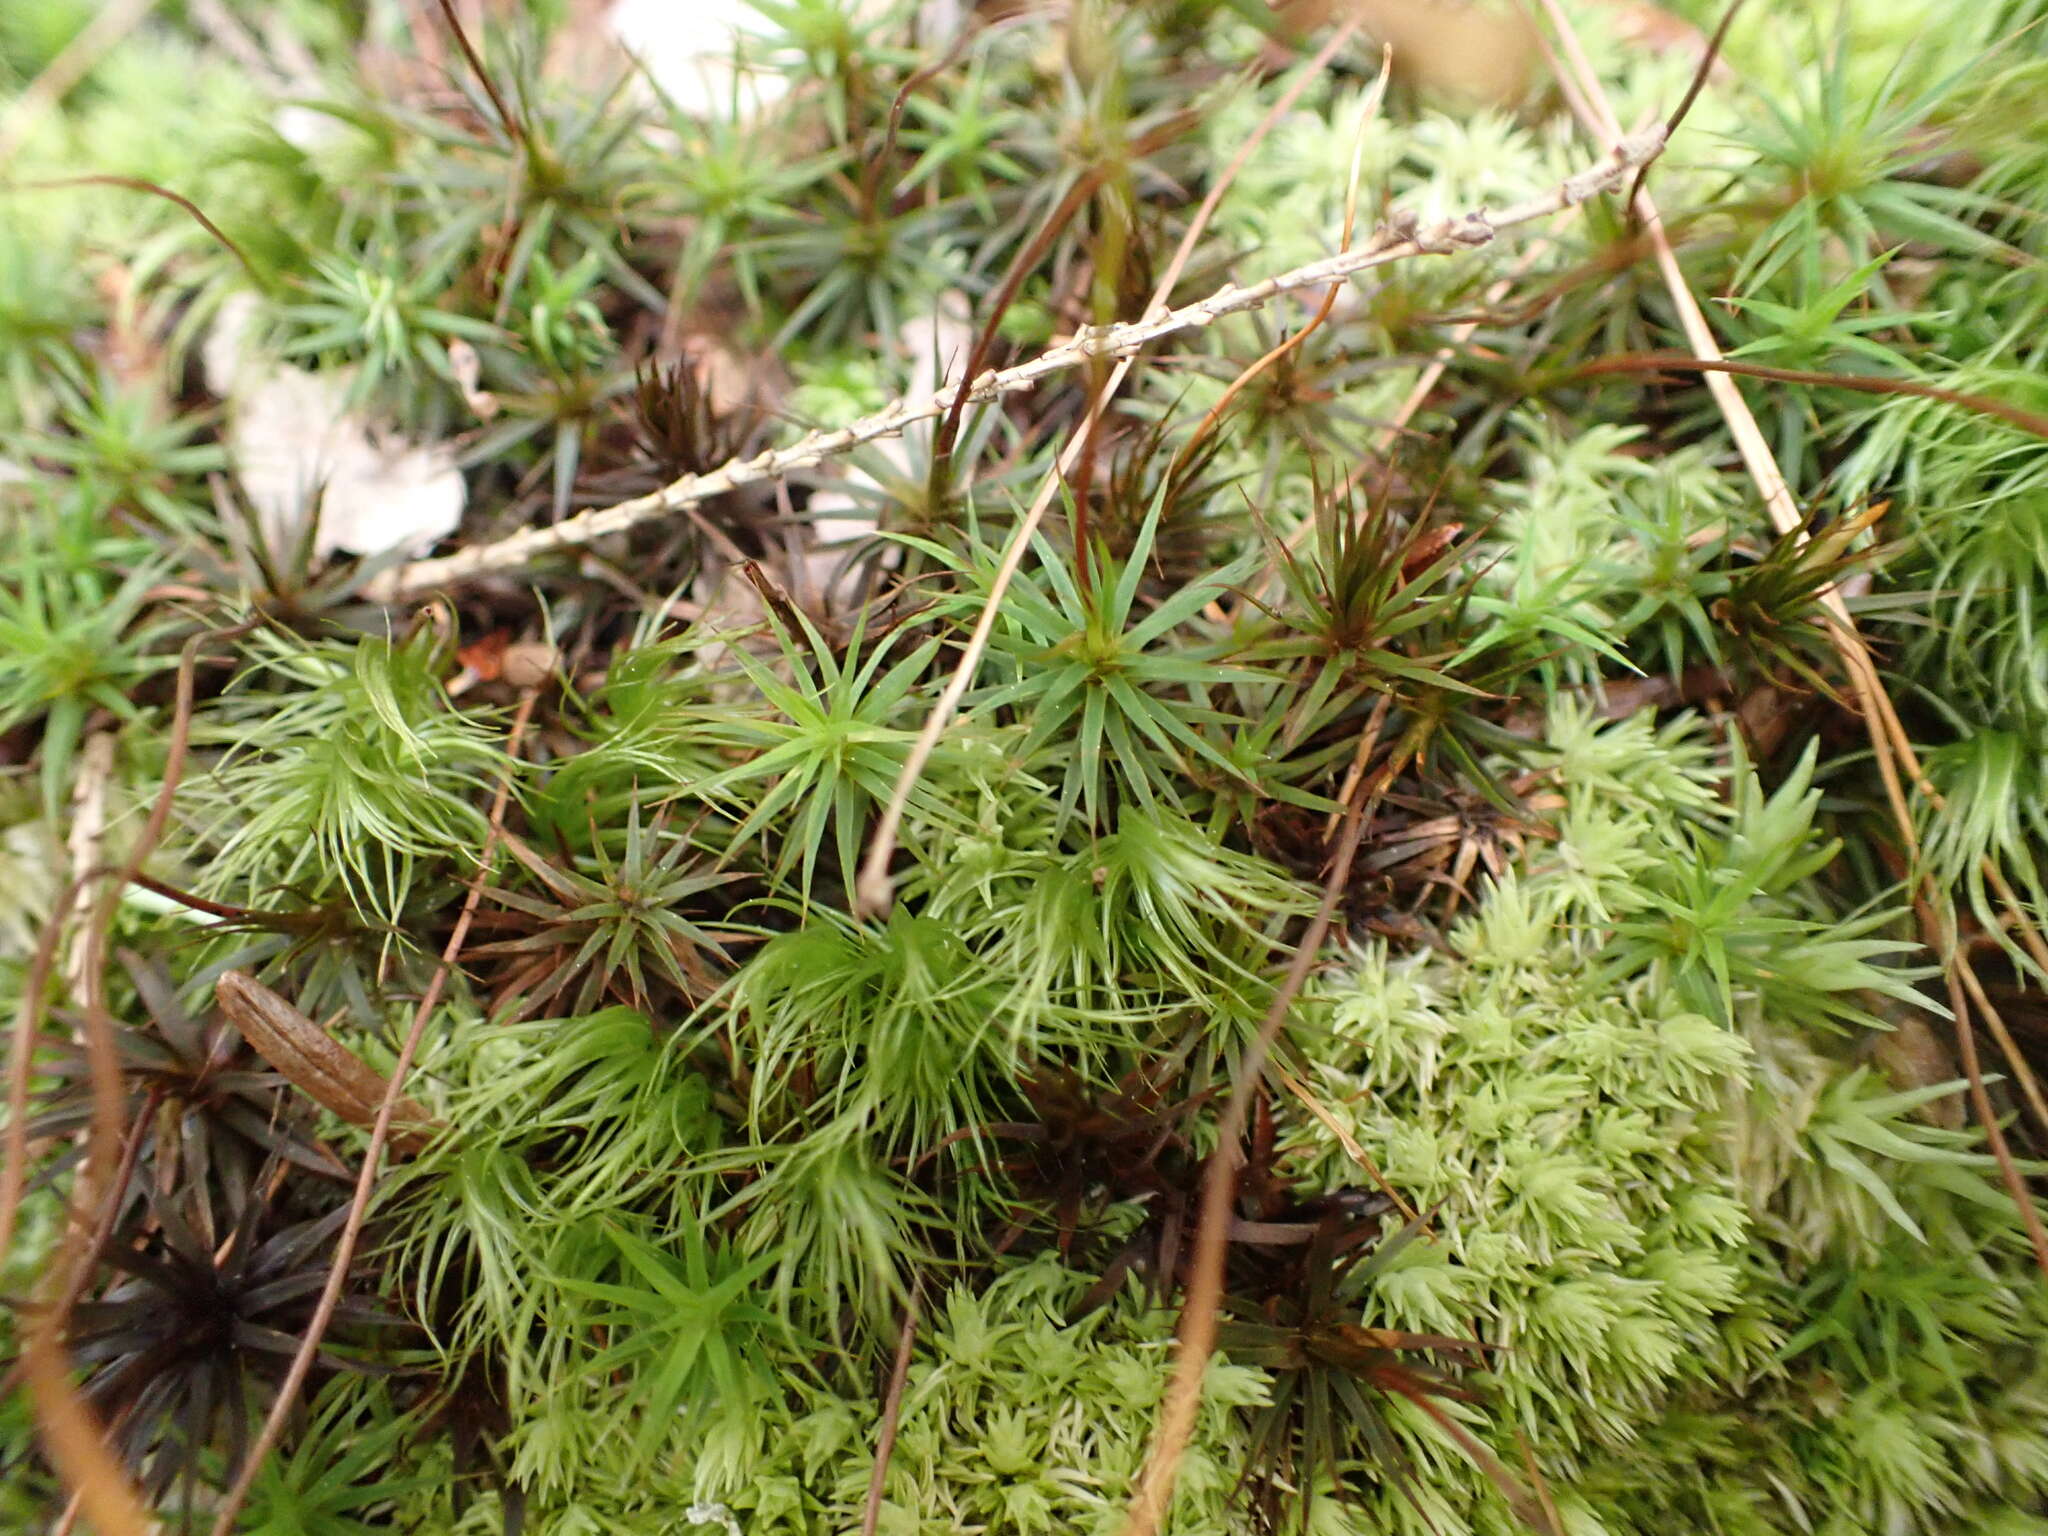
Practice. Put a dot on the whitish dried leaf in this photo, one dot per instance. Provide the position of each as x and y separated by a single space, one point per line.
716 58
1481 52
300 450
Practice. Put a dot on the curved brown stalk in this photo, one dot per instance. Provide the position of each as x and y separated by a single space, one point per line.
76 1445
28 1020
1889 745
892 1410
62 1414
1980 1096
373 1155
137 184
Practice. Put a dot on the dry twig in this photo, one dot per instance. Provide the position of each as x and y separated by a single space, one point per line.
113 21
1398 239
892 1411
1203 1298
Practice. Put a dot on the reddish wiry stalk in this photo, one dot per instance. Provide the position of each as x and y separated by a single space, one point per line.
1203 1304
1980 1096
1890 747
35 984
872 890
892 1411
1656 362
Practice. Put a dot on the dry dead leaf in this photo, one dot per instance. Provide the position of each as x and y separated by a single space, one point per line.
1914 1056
315 1063
1428 549
694 53
485 657
1648 26
468 370
733 385
529 663
712 58
299 449
1481 52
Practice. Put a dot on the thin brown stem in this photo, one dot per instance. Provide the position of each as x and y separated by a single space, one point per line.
1202 1306
1709 56
1889 745
28 1021
77 1446
137 184
111 22
514 130
2030 1088
1980 1096
1658 362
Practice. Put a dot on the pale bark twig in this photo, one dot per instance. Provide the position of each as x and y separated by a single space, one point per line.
1396 240
95 40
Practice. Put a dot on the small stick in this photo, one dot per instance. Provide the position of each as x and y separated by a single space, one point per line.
88 832
1204 1292
35 983
1980 1097
1655 362
111 23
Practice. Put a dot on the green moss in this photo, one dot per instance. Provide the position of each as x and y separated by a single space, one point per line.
1606 1005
